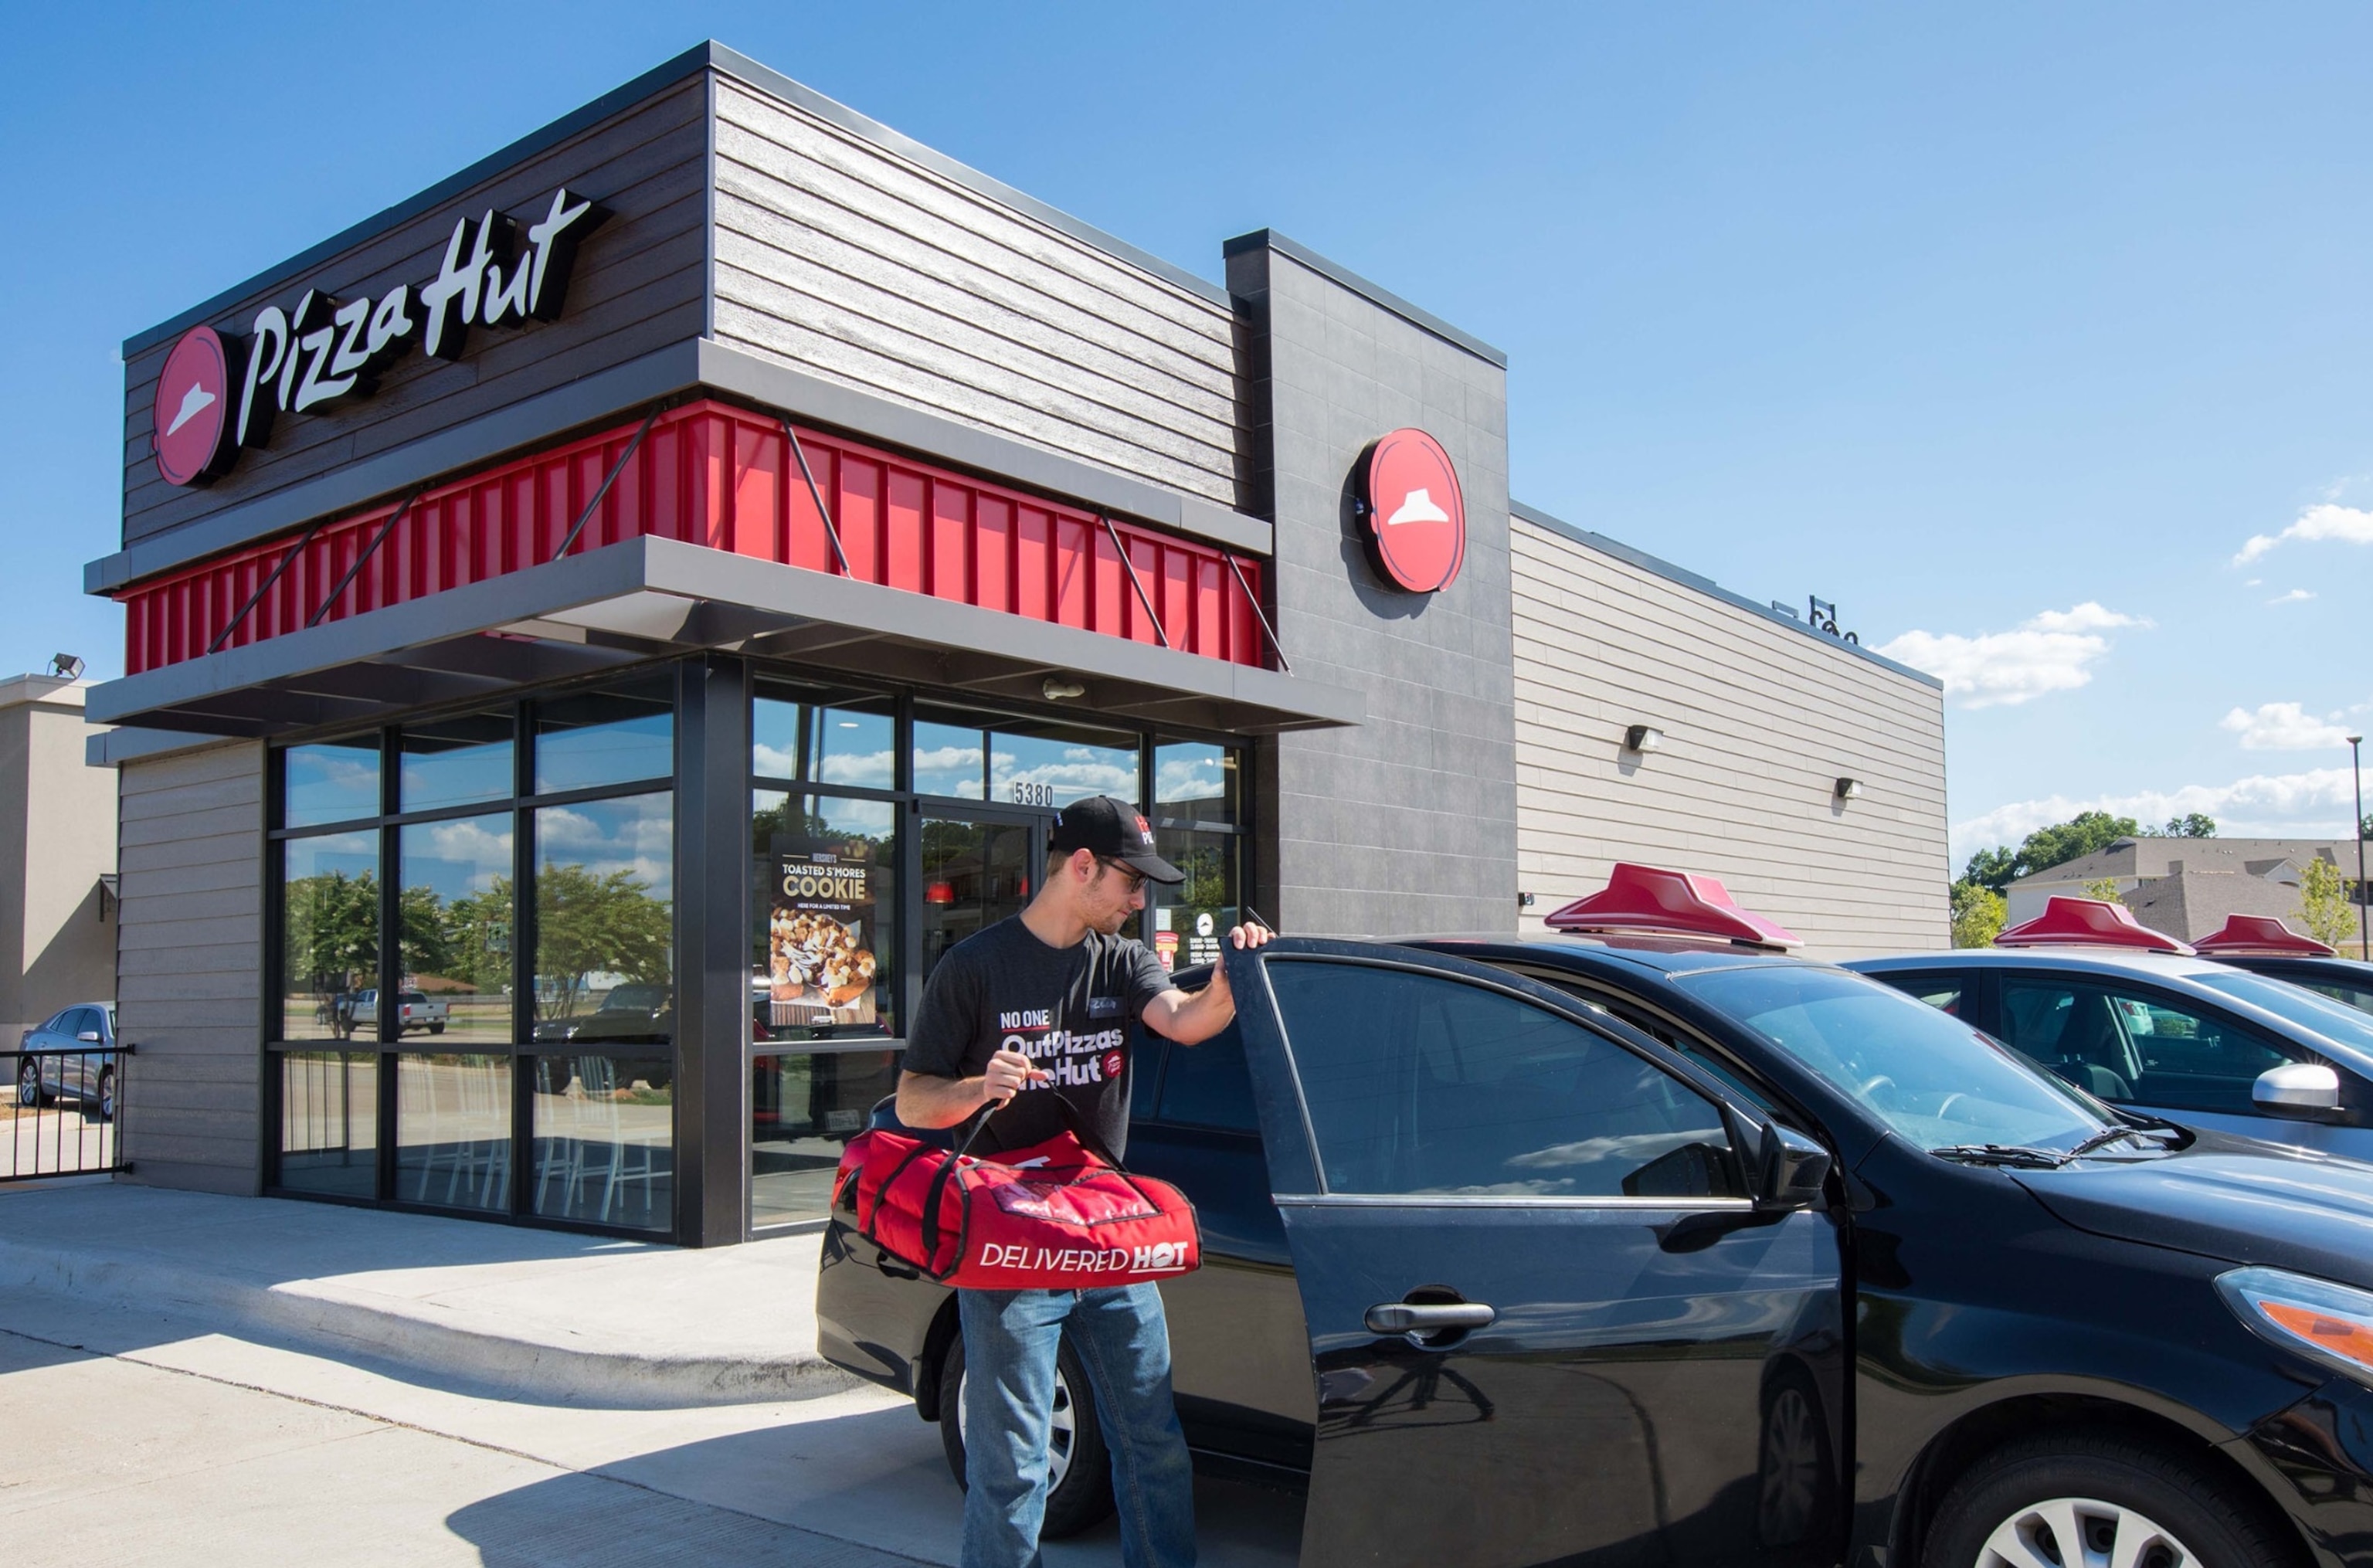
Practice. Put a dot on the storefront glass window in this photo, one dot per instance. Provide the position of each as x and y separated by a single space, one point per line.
455 762
804 1110
604 920
329 1122
1053 765
1192 919
329 926
604 1149
1195 781
606 737
455 927
854 744
334 782
453 1131
823 916
949 760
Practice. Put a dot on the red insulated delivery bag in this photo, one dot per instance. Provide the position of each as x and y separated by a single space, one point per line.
1053 1216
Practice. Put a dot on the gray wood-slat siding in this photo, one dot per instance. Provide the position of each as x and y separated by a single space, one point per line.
1760 722
845 259
190 965
639 285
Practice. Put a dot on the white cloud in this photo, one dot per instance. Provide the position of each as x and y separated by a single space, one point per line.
2325 519
2282 727
2050 653
2318 803
2295 596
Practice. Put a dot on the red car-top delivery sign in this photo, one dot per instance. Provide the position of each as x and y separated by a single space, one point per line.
1417 519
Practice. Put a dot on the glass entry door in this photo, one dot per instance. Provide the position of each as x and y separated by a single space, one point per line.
978 866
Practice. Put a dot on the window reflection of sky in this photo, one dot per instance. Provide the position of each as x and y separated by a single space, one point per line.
458 859
329 783
1070 771
455 776
842 745
580 758
948 760
354 854
633 835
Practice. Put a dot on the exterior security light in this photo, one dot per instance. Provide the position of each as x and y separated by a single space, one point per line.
1642 738
1058 691
1524 901
1848 788
66 665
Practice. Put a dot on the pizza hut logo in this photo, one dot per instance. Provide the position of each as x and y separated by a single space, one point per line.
1113 1064
1415 513
496 272
193 409
1145 832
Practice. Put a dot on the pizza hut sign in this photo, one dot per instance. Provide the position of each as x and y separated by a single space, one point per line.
218 394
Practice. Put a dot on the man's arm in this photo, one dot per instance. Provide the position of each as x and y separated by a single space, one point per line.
1189 1018
927 1101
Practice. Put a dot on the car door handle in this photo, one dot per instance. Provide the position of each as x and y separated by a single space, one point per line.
1427 1318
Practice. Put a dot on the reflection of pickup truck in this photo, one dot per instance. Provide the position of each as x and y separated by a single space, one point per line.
413 1011
629 1015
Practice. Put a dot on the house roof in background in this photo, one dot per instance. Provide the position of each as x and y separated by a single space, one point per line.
2189 905
2149 858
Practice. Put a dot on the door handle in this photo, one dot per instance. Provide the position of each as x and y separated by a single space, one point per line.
1415 1318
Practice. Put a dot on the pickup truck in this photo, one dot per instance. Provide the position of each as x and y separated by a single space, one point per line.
358 1013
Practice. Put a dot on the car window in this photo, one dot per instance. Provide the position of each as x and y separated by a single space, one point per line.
2136 1046
1209 1085
1947 996
2358 997
2284 999
1664 1033
85 1021
1931 1078
411 995
1418 1083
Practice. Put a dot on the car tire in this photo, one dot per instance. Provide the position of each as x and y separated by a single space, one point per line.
437 1028
101 1105
28 1083
1796 1494
1081 1496
2042 1490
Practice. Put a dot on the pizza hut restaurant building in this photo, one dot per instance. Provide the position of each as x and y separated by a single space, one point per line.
600 629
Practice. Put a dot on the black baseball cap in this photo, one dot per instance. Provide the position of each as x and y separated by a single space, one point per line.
1111 830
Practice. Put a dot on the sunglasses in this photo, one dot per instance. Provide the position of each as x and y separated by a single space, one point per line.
1136 878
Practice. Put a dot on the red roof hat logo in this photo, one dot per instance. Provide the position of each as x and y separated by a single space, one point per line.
2259 936
2089 922
1144 828
1641 898
1417 516
193 409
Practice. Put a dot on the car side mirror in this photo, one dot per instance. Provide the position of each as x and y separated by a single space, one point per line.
90 1038
1788 1171
2297 1086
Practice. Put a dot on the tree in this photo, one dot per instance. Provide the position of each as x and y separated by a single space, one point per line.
331 930
2324 907
1978 914
1993 869
2364 829
421 918
478 938
2103 888
595 925
2191 825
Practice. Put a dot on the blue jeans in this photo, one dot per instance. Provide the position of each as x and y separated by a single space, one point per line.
1011 1337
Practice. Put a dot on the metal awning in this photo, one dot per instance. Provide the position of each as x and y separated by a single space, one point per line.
651 597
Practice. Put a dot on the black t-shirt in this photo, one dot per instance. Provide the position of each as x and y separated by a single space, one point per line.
1068 1008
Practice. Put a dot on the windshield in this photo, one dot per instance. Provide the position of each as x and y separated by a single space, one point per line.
1927 1075
2332 1020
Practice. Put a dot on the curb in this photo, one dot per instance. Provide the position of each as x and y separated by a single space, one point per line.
358 1326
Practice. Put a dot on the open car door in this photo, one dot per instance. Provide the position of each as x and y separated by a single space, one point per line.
1565 1300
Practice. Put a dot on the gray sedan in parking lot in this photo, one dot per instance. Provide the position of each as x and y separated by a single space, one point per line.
84 1034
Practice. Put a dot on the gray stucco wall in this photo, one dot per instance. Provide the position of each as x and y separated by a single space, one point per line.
1409 822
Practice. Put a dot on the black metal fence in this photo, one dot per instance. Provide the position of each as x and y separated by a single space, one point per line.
63 1113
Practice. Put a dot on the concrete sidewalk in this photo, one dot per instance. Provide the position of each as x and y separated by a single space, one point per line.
543 1315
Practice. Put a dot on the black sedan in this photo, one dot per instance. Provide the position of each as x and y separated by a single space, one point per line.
1641 1252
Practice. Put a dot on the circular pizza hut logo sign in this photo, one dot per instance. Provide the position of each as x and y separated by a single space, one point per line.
193 409
1417 519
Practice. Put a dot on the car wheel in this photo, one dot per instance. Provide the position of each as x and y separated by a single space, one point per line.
437 1028
28 1083
1793 1493
2063 1503
1079 1469
102 1105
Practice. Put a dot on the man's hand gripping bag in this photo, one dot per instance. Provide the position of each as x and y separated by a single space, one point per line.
1056 1215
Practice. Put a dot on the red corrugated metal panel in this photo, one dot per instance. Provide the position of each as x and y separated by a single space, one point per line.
713 474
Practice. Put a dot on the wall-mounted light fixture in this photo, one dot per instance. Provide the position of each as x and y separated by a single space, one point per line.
1848 788
1642 738
1524 901
1059 691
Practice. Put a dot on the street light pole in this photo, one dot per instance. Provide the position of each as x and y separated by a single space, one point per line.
2357 767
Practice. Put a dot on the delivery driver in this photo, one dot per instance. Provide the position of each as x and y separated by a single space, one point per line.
1043 1002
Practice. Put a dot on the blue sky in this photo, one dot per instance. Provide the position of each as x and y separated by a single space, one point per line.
2007 331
